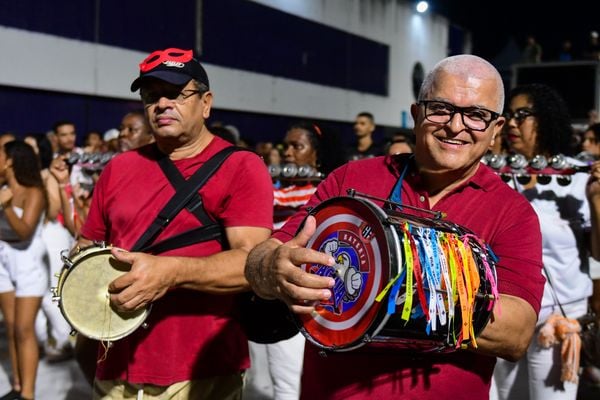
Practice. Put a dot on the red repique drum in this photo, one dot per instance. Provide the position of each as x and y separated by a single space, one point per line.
424 284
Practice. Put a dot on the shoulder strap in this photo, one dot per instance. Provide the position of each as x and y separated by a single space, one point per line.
194 206
182 197
200 234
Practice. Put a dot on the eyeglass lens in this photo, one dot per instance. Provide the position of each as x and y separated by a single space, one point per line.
474 118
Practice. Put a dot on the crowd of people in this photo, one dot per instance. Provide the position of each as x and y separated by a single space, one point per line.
246 226
47 186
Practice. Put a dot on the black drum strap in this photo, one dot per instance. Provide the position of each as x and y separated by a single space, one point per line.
186 195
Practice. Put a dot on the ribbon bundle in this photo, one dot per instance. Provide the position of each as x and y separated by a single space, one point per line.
440 275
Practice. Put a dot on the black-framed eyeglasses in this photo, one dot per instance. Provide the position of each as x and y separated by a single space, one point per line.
474 118
150 97
519 115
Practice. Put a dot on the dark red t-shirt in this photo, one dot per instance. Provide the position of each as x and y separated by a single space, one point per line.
485 205
191 334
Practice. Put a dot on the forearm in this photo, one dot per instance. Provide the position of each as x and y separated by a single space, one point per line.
256 270
67 209
219 273
509 332
23 230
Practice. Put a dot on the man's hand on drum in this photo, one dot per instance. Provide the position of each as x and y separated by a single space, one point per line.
147 281
273 271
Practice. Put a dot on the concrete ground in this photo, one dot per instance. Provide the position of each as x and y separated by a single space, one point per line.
57 381
64 380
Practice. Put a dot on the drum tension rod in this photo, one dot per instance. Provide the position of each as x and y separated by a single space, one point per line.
436 214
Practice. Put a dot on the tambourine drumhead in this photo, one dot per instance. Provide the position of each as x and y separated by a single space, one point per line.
84 299
356 226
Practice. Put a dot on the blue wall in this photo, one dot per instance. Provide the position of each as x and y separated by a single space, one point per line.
236 33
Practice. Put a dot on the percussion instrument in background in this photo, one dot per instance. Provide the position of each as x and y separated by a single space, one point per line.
517 166
424 284
83 298
294 172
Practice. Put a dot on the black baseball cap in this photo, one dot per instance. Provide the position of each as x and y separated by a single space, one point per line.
172 65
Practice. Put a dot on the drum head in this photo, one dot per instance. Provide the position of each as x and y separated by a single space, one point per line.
365 250
84 298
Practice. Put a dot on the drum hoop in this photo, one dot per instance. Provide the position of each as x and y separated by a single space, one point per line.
390 241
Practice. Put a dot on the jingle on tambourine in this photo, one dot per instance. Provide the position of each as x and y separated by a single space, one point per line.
291 172
517 167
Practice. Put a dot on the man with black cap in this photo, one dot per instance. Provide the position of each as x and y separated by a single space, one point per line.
191 345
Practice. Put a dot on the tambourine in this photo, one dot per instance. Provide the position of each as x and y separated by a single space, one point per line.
83 298
422 284
294 172
517 166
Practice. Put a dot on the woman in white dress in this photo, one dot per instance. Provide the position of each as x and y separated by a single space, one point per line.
23 275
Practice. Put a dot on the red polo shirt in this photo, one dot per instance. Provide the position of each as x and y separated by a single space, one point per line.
191 334
485 205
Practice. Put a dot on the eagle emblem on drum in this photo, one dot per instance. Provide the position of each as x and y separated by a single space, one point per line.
348 279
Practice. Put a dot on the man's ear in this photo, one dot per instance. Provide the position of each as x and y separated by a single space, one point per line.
414 112
207 99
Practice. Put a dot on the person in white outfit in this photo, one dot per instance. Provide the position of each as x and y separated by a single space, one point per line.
538 124
23 275
52 329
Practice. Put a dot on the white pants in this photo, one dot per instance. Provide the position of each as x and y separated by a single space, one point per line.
56 238
537 375
275 370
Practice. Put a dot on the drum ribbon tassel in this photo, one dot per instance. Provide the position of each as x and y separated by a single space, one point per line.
407 309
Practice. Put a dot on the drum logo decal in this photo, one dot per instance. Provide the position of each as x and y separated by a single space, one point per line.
366 231
350 269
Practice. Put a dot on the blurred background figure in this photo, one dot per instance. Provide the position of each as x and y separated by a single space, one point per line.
532 53
23 275
590 145
223 133
399 143
263 149
274 157
111 140
134 131
93 142
65 137
592 50
538 123
365 146
593 117
566 51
